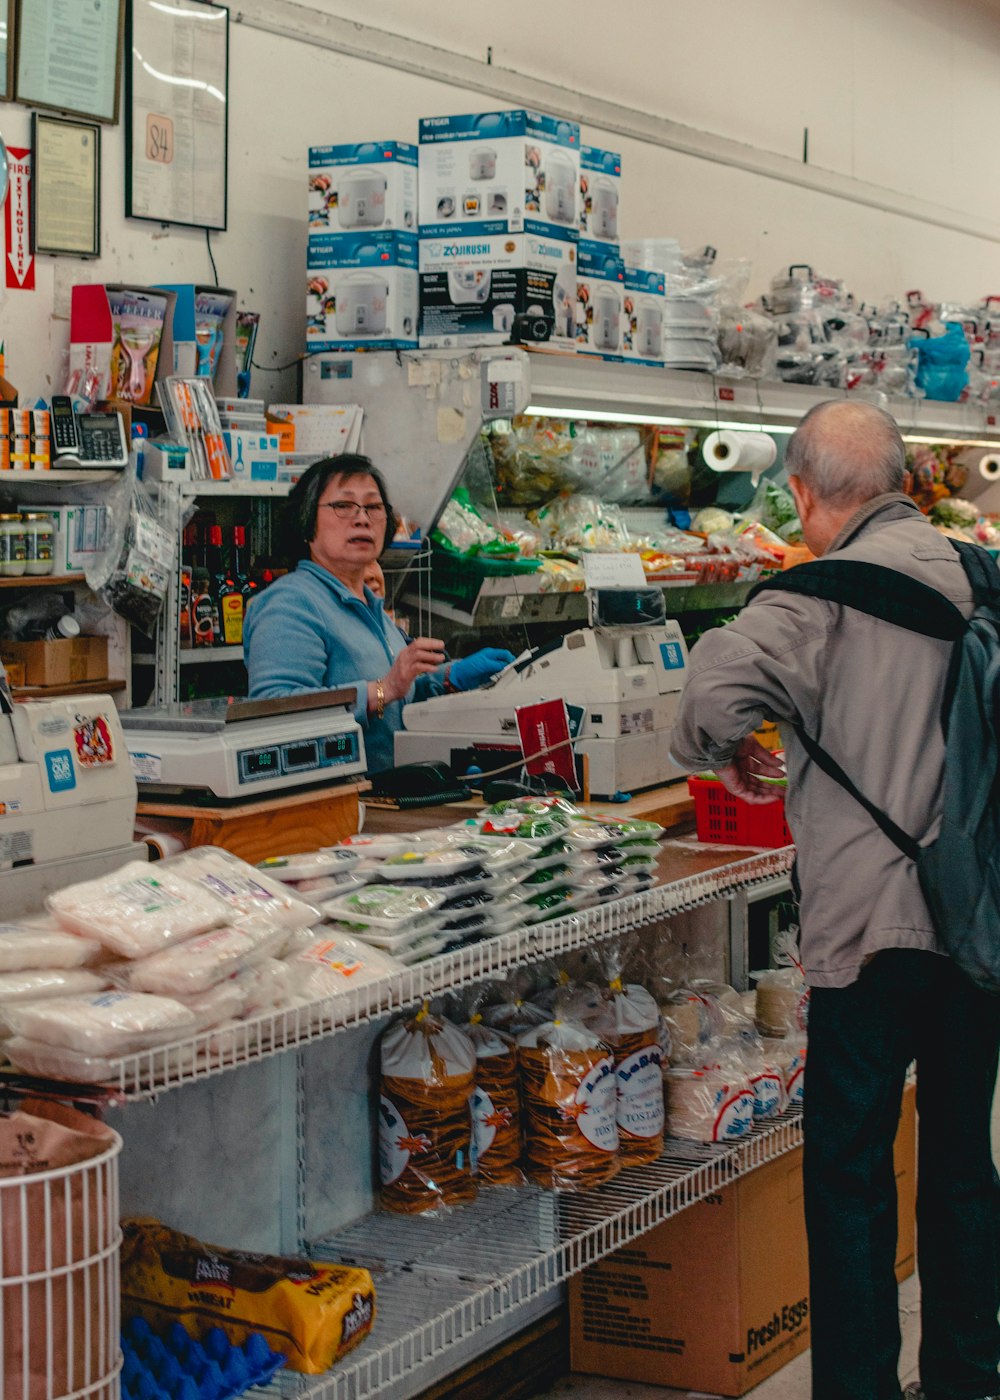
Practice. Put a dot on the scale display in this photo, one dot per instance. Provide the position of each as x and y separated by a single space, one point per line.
300 756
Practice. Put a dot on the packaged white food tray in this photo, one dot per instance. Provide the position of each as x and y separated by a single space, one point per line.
309 865
386 906
138 909
426 935
55 1062
328 886
497 854
551 904
249 895
337 964
377 846
420 862
539 831
109 1023
32 944
631 830
185 969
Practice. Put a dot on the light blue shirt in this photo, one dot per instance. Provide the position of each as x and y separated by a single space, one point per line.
308 631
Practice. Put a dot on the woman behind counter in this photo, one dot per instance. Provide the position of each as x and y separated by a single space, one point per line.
322 628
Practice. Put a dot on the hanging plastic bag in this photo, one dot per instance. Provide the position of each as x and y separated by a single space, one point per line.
425 1128
942 363
568 1100
134 569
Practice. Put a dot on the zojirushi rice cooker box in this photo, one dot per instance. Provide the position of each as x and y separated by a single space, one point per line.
499 172
518 288
600 300
642 318
362 291
371 184
600 189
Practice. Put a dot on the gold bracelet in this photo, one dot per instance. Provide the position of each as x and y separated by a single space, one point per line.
379 700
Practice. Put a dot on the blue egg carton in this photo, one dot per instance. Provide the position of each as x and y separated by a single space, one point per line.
175 1366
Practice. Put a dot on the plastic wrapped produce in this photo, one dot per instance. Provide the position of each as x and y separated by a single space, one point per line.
708 1105
185 969
33 944
394 908
569 1106
310 865
425 1146
107 1023
139 909
249 895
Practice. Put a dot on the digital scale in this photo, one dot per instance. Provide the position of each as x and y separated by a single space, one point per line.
245 748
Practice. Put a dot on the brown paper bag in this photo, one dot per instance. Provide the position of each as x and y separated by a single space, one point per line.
58 1251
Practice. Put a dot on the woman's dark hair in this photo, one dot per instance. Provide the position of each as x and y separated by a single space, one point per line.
304 497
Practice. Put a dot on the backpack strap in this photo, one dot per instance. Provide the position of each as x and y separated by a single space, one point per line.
878 591
899 838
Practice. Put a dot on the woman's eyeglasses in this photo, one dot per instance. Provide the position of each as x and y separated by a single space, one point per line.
347 510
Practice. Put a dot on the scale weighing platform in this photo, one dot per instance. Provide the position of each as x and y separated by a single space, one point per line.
232 749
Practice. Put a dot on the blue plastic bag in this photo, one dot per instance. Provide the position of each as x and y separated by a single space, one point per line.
942 363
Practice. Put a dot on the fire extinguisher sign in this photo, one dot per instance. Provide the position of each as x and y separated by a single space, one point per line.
19 262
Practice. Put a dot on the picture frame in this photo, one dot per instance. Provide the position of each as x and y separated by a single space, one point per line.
8 16
65 186
59 38
177 112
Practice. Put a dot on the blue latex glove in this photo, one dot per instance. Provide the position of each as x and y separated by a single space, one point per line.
472 671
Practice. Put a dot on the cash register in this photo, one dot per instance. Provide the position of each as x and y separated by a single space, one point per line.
625 671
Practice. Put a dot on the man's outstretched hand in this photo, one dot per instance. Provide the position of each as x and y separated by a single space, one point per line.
751 764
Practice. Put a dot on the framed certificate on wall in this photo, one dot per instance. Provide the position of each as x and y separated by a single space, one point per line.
69 56
176 101
65 186
7 11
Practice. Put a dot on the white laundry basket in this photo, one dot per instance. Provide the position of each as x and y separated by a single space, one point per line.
60 1240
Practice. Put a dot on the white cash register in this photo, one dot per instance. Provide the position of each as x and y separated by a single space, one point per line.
626 671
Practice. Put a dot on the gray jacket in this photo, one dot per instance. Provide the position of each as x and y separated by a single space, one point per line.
871 694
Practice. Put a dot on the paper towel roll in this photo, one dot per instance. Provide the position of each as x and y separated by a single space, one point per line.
989 466
740 452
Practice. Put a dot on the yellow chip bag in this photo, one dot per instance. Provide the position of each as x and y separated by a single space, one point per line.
313 1314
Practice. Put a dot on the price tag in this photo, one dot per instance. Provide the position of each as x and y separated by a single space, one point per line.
613 571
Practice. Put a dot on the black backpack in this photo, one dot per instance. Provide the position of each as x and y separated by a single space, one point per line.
959 873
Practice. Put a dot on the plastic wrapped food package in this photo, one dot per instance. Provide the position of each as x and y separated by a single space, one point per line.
789 1054
768 1084
108 1023
226 1001
268 985
389 907
249 895
422 862
323 887
331 965
309 865
568 1103
312 1313
782 1002
185 969
708 1105
425 1126
138 909
628 1019
34 944
50 982
688 1024
54 1062
496 1104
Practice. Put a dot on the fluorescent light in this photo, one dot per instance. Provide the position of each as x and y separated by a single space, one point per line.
607 416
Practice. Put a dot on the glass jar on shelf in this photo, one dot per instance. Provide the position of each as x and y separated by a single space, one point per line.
39 534
13 546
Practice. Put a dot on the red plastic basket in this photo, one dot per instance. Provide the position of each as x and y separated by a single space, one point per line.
728 820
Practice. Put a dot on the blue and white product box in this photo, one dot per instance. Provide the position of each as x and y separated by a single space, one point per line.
600 190
642 319
362 291
491 291
372 184
499 172
254 455
600 300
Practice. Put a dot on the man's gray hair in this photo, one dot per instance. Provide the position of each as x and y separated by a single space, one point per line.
847 452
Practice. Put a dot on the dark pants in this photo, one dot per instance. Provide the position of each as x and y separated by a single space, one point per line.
906 1005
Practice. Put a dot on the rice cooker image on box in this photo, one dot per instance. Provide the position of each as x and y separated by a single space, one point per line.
361 304
564 307
468 285
361 198
648 339
482 163
560 189
603 208
607 323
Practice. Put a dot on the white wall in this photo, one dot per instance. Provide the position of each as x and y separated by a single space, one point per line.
901 94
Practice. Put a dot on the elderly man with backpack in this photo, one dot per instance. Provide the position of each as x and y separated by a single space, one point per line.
880 662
